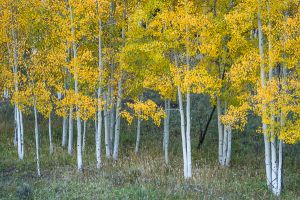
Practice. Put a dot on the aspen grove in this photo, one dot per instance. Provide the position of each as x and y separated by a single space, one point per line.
99 65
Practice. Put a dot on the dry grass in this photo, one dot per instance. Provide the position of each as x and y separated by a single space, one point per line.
143 176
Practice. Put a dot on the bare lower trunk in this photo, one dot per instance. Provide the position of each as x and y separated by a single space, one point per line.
36 131
70 142
22 135
188 136
226 146
84 136
138 136
98 139
64 135
16 128
79 147
166 131
118 120
51 148
280 162
183 136
106 129
220 129
19 135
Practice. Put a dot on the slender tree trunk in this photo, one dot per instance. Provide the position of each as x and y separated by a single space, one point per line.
99 111
188 135
183 136
118 120
106 129
166 131
16 128
84 136
98 139
220 129
280 162
51 148
227 153
22 134
263 83
112 124
138 135
19 135
70 142
15 72
64 135
79 137
36 131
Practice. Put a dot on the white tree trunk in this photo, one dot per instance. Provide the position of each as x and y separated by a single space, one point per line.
64 135
220 129
112 124
36 131
16 128
19 135
280 161
138 135
118 120
51 148
263 83
84 136
98 139
166 131
99 111
106 128
22 135
183 136
70 142
188 135
19 123
79 137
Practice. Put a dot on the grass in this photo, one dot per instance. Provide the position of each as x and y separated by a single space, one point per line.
142 176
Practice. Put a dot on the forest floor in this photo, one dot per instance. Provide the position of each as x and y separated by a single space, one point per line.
142 176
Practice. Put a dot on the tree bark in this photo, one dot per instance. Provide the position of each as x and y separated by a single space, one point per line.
118 120
70 142
64 135
79 137
106 128
263 83
36 131
183 135
51 148
166 131
84 136
138 135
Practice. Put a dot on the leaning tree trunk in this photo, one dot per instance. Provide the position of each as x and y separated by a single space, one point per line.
36 131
